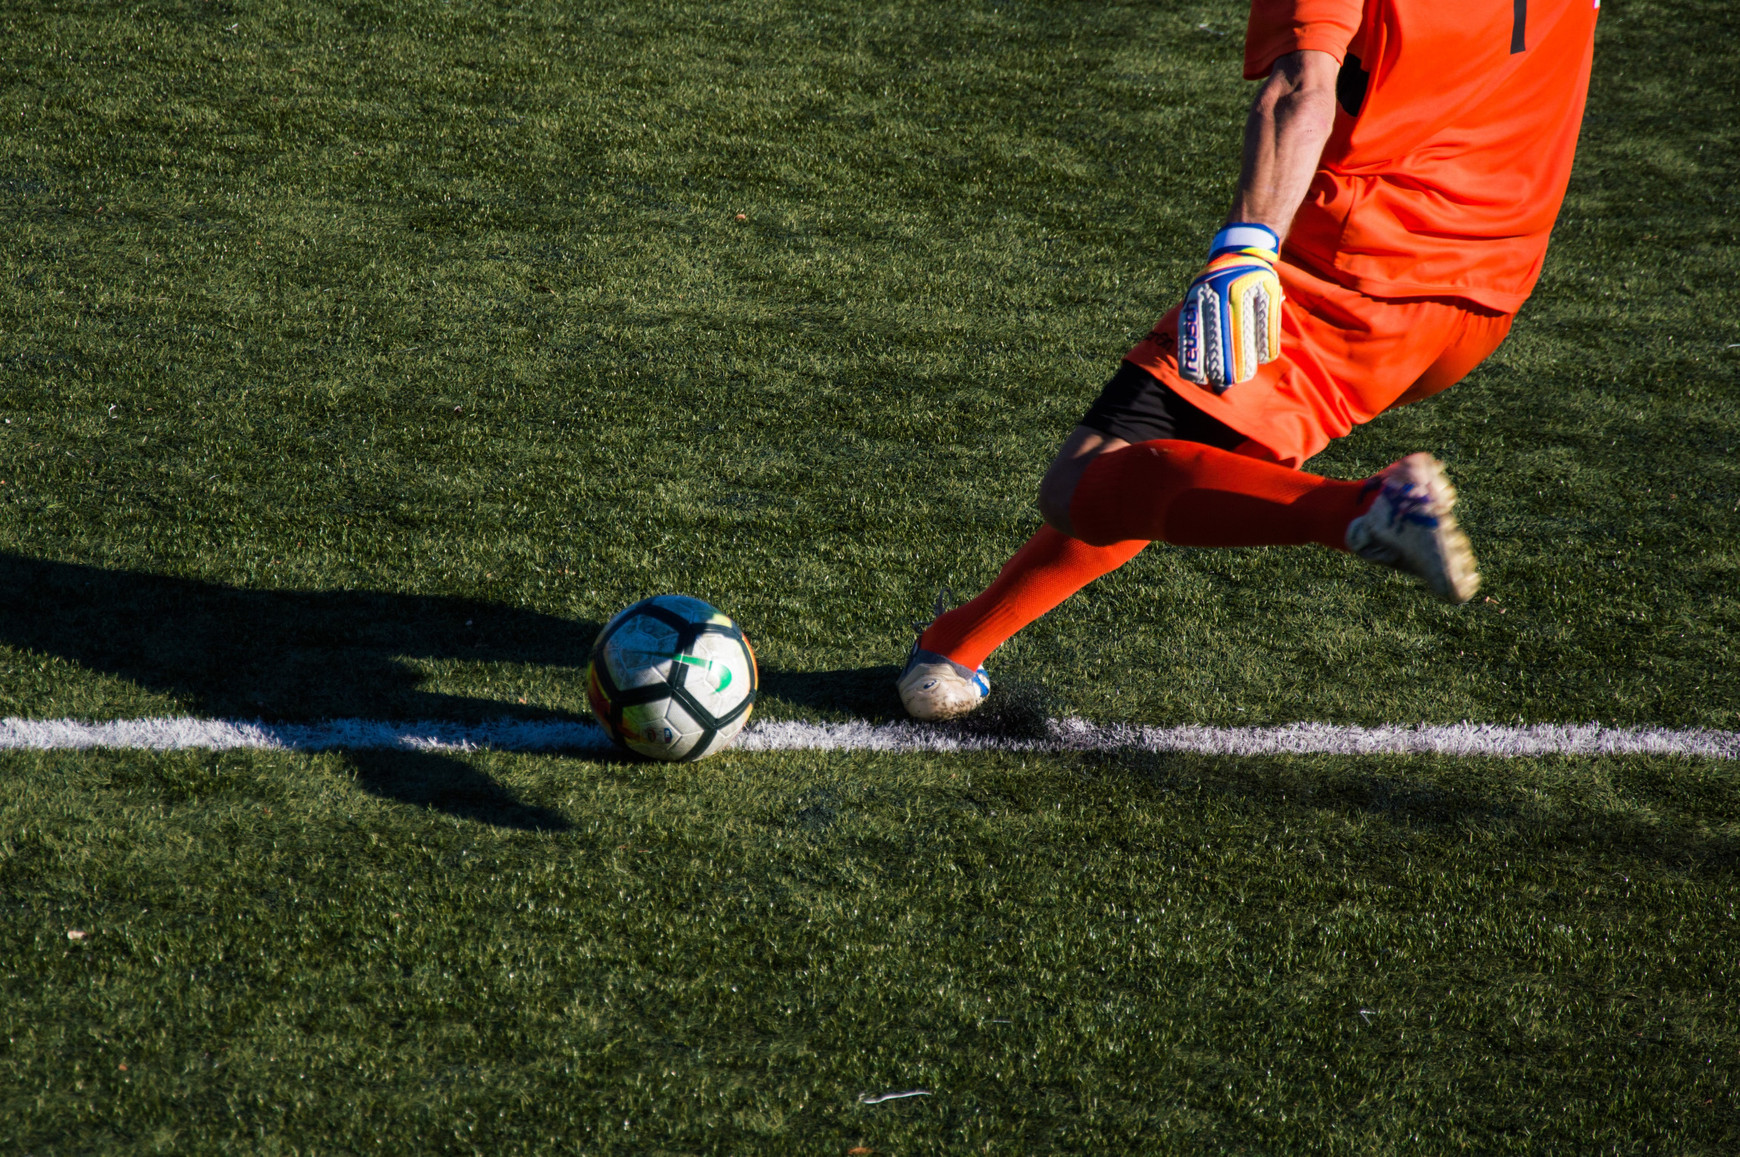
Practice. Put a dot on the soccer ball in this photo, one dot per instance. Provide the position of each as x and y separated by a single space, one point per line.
672 678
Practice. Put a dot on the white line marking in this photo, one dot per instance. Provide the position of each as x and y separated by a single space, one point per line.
867 1099
1469 739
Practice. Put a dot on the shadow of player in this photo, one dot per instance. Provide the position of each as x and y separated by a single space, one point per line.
445 784
282 655
1015 710
865 693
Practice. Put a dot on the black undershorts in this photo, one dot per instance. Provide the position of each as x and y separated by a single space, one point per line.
1138 407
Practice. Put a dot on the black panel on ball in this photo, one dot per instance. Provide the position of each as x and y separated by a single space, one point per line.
690 704
701 746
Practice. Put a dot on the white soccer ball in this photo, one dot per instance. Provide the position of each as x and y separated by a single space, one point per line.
672 678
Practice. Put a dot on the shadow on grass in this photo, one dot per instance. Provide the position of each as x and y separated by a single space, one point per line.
848 693
1015 710
429 779
234 653
1543 821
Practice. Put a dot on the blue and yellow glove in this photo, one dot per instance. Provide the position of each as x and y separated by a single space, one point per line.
1230 322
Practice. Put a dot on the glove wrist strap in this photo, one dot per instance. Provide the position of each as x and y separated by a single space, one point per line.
1245 235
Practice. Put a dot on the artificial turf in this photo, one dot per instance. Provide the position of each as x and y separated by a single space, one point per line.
360 359
1111 955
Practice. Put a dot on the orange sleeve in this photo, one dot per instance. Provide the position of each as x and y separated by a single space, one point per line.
1278 27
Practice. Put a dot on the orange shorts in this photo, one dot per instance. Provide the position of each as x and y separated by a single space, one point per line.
1345 359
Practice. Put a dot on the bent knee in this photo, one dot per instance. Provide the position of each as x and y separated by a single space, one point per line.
1056 490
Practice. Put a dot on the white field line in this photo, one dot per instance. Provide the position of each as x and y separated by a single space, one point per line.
1470 739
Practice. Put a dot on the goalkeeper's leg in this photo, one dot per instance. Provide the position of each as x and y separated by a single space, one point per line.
1104 499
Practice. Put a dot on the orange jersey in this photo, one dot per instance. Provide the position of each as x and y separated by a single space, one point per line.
1452 144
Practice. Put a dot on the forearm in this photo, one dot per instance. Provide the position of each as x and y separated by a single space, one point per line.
1285 133
1229 323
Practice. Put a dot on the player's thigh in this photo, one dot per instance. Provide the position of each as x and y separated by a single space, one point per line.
1483 332
1359 356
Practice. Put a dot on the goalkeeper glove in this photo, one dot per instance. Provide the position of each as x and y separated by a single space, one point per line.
1230 322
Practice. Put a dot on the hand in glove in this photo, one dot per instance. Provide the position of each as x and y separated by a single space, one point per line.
1230 322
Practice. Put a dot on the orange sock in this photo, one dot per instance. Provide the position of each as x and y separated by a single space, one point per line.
1196 495
1044 572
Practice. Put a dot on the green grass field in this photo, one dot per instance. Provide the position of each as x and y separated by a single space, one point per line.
359 360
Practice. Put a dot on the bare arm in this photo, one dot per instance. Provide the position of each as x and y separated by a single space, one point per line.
1285 133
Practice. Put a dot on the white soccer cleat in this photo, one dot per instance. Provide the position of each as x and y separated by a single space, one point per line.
934 687
1410 528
